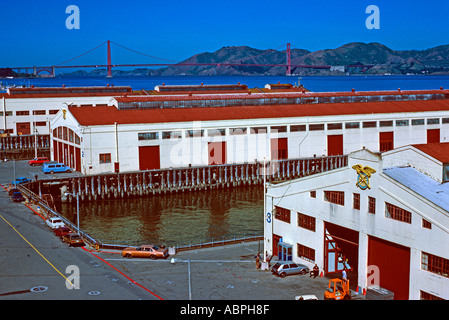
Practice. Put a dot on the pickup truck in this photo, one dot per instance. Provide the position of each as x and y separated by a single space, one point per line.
20 180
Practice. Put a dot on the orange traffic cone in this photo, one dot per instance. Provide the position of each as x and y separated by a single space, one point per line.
321 274
364 292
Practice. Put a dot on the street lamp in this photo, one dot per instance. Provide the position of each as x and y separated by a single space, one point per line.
77 209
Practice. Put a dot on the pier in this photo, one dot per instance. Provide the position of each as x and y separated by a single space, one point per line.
24 146
194 178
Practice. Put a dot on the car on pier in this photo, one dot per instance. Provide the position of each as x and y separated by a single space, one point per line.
54 223
38 161
145 251
20 180
16 195
55 167
62 231
73 239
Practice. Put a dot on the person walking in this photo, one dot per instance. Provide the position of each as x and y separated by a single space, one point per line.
315 271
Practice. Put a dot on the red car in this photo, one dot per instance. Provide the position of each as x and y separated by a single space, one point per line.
38 161
62 231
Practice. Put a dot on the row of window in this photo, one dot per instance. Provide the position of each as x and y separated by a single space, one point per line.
66 134
293 128
27 113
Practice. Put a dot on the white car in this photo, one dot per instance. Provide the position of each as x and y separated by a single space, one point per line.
55 223
306 297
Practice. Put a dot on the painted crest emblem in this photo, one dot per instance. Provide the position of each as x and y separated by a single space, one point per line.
64 111
364 173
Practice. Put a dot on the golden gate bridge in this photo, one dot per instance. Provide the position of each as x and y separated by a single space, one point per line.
51 70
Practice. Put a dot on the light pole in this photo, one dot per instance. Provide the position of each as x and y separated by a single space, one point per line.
77 209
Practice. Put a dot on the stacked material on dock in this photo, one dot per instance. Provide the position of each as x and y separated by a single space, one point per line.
378 293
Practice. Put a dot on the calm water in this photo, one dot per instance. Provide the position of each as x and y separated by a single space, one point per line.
180 219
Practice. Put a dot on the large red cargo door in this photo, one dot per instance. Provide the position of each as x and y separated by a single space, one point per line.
23 128
149 158
335 145
217 153
393 261
433 135
279 148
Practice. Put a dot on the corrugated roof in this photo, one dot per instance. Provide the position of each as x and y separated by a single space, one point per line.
439 151
104 115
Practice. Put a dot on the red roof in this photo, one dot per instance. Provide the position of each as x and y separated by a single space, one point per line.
439 151
104 115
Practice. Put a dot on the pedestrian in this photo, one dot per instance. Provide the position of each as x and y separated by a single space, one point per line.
343 273
315 271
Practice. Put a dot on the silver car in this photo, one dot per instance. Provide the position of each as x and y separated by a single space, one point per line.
286 268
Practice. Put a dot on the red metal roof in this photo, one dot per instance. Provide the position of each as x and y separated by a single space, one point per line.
439 151
104 115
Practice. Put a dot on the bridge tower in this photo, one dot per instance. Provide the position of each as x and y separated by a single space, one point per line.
289 60
109 60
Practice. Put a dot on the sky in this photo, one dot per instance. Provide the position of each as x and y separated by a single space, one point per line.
35 32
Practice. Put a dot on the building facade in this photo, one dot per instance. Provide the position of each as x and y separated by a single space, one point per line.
162 131
384 216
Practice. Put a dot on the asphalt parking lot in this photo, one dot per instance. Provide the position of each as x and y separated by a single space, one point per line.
32 257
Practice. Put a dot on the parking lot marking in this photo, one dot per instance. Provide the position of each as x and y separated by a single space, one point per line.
35 249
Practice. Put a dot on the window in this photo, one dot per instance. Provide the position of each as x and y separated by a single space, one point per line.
8 113
428 296
445 120
105 158
396 213
371 205
194 133
352 125
337 197
282 214
40 124
369 124
39 112
316 127
171 135
386 141
258 130
356 201
22 113
426 224
148 136
401 123
435 264
305 253
53 111
216 132
433 121
298 128
386 123
334 126
236 131
278 129
417 122
313 194
306 222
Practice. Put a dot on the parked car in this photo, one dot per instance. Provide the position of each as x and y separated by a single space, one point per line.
55 222
55 167
20 180
145 251
38 161
17 196
73 239
286 268
62 231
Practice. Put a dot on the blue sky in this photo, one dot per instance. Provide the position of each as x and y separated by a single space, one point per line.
34 32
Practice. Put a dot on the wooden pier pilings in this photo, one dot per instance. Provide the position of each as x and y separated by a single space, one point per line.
163 181
24 146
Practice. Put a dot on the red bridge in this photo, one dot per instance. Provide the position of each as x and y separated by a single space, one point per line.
51 70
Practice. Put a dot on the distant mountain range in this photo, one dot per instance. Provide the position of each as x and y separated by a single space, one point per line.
433 61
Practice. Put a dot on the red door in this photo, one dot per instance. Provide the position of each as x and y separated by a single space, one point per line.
217 153
386 141
335 145
433 135
279 148
276 240
149 158
78 159
23 128
393 261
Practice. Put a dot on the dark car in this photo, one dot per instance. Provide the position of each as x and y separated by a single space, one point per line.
62 231
17 196
286 268
73 239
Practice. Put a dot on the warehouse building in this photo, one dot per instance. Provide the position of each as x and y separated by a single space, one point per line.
184 127
385 217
